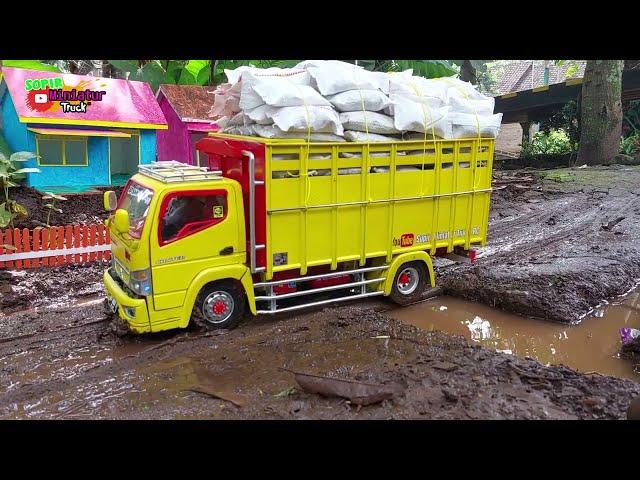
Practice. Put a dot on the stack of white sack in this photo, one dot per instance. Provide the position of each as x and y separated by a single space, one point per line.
441 107
358 94
329 100
279 101
471 113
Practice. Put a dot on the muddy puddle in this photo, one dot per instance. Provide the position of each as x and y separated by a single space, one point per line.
593 345
61 304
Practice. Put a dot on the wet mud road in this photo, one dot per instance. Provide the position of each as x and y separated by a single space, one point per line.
59 360
559 246
76 369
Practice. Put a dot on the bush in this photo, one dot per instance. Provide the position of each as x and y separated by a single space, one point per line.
555 142
565 118
10 175
630 145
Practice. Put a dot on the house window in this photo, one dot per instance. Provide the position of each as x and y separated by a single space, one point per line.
61 151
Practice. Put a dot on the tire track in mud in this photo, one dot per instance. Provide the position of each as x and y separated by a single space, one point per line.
554 261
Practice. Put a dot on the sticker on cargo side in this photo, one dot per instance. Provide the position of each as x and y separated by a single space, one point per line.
405 240
475 230
280 258
422 238
218 211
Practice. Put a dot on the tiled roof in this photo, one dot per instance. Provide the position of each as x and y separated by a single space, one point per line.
526 74
191 102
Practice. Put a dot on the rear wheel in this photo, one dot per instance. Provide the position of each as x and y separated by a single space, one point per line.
409 282
219 305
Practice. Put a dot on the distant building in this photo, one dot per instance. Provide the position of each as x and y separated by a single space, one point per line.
527 74
186 108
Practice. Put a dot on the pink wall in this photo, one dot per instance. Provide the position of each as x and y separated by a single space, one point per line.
173 143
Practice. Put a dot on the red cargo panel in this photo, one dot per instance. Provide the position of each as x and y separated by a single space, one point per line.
226 155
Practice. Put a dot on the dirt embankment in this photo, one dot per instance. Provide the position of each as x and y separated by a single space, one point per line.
73 368
558 246
76 209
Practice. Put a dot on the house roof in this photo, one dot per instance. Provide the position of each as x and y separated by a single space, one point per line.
527 74
192 103
128 104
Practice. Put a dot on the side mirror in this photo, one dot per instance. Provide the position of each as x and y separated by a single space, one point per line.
109 200
121 221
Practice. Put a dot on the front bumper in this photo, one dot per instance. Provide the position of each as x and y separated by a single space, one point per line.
132 310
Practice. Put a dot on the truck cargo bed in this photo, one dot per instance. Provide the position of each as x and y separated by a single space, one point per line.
327 203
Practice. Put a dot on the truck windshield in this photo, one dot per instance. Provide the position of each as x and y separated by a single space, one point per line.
136 200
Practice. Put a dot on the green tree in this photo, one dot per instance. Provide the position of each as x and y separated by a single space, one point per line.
601 112
155 72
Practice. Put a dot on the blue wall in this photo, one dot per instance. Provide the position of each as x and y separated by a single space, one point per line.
147 146
97 171
15 133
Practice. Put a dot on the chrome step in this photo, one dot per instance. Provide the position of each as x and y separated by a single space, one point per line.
322 302
359 284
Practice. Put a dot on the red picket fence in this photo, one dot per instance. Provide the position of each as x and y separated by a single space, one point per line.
53 246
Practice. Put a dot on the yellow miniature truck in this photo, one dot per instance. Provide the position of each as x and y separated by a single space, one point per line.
274 225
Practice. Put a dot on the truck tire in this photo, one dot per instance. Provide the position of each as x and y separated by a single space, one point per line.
409 282
219 305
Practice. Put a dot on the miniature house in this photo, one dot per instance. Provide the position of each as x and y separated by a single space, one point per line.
87 131
186 108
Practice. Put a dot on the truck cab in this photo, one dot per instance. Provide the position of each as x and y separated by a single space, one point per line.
175 229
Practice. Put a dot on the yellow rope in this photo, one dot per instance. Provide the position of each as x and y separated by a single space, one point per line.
307 186
466 96
433 131
365 162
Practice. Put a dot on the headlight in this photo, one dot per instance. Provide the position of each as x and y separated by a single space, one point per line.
141 282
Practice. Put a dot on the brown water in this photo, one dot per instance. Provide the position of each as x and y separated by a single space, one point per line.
592 345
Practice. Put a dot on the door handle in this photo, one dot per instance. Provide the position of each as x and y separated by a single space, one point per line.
226 251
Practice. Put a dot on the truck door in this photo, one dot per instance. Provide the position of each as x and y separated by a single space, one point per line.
194 230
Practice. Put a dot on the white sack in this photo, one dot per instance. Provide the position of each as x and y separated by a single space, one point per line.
355 100
465 125
239 119
296 75
299 119
417 136
226 101
261 115
419 89
258 89
417 117
375 122
270 131
354 136
333 77
431 103
459 88
479 106
247 130
280 92
382 79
